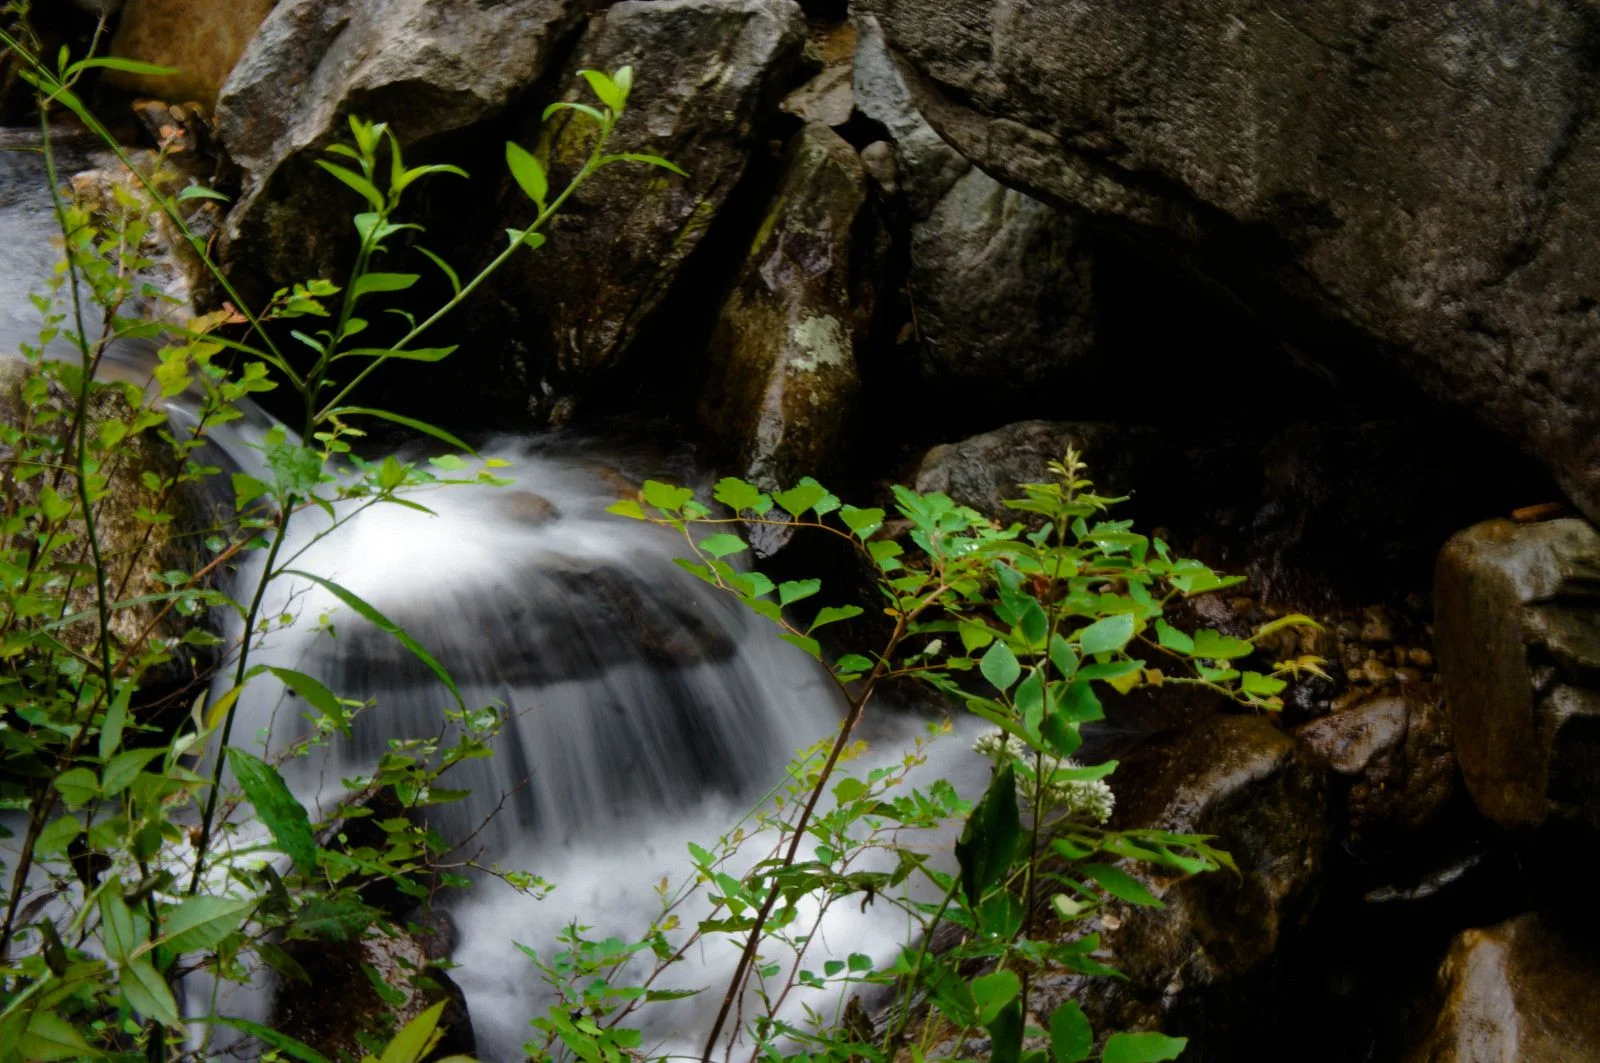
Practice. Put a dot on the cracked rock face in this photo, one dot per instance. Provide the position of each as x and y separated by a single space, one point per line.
1417 175
1517 632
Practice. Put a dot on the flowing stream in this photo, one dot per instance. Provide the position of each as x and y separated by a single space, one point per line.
643 710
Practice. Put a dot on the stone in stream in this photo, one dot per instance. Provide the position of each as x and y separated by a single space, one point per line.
200 39
1517 991
1001 284
784 382
1266 800
1392 762
1517 632
1419 178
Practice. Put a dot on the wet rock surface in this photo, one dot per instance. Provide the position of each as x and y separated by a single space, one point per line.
1517 991
1419 176
1518 632
715 72
1266 801
416 64
784 383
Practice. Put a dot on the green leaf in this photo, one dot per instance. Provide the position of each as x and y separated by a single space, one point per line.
989 839
57 835
649 160
282 814
200 922
1256 683
410 422
1071 1036
626 507
368 190
606 89
1005 1034
797 500
999 666
723 545
50 1037
1215 646
78 786
383 623
740 496
568 105
1142 1048
405 354
116 719
120 929
853 662
811 646
382 282
1171 638
666 497
148 993
862 522
444 267
1121 885
273 1039
1106 635
529 173
992 992
415 1038
830 614
201 192
1063 657
794 590
126 66
124 767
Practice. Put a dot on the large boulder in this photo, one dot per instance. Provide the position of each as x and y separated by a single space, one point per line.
1420 175
1001 284
783 380
427 67
200 39
710 73
1517 630
1265 801
1517 991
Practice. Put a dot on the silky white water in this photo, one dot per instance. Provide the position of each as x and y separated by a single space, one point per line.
642 709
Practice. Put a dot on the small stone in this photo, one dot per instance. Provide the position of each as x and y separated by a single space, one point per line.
1419 657
1353 656
1348 629
877 159
1378 627
1407 675
1376 672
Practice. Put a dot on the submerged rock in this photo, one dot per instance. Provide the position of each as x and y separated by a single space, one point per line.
1517 991
1517 627
710 73
1420 175
201 39
784 382
1001 284
984 471
1266 802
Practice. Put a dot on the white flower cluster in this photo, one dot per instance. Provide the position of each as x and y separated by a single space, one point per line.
1090 800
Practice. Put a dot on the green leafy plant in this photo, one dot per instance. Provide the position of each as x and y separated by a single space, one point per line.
1025 628
130 871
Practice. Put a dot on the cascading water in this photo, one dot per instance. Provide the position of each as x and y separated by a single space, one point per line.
642 709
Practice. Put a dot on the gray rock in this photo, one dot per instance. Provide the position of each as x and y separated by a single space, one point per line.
427 67
1422 174
709 73
1266 802
1001 283
784 382
1516 991
1392 760
1517 633
984 471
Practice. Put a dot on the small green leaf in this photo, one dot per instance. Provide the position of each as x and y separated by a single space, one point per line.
810 645
1256 683
627 507
862 522
148 993
723 545
795 590
1121 885
666 497
201 192
1215 646
740 496
999 666
283 816
200 922
415 1038
125 767
382 282
648 160
1071 1036
57 835
988 841
1142 1048
49 1037
993 992
529 173
410 422
606 89
368 190
1106 635
831 614
797 500
1171 638
273 1039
